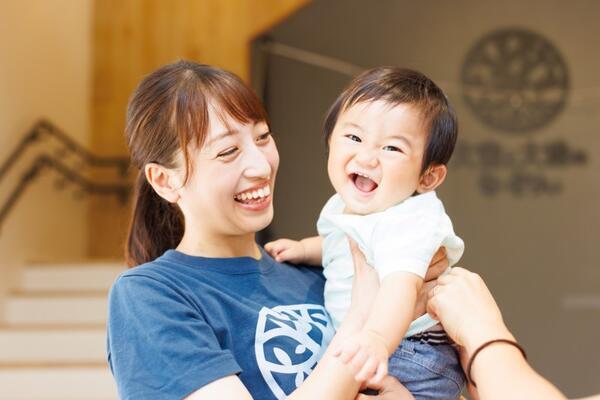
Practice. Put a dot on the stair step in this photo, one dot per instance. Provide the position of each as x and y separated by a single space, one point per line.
52 346
71 383
56 309
70 276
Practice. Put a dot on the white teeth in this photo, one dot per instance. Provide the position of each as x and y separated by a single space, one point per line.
255 194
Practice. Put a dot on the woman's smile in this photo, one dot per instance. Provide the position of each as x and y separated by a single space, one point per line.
256 198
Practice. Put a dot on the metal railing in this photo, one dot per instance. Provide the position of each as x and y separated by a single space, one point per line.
69 148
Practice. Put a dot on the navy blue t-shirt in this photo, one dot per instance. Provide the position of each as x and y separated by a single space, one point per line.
180 322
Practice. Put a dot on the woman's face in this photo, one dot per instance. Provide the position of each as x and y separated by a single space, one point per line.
230 188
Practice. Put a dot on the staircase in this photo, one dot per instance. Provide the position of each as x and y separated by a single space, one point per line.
53 334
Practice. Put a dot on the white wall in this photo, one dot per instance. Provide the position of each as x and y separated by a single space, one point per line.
45 71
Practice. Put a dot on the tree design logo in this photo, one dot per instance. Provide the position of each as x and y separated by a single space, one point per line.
289 342
515 80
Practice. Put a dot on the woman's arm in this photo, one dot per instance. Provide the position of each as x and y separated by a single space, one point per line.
471 317
332 379
469 314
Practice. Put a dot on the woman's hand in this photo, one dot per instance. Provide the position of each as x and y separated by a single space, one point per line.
365 283
463 304
389 389
439 264
469 314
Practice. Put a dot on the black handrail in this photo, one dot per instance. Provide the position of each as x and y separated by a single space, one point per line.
45 127
45 161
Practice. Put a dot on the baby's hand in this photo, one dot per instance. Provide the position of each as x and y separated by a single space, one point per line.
287 250
367 355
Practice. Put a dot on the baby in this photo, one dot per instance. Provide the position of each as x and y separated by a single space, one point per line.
390 136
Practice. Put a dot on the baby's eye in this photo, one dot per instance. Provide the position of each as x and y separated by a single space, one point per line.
227 152
354 138
392 148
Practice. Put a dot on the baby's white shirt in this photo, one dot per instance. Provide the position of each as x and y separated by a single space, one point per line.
402 238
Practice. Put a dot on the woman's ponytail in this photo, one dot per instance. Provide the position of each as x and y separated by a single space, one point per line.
155 227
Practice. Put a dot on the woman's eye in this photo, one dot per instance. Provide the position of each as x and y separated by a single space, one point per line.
264 137
228 152
393 148
354 138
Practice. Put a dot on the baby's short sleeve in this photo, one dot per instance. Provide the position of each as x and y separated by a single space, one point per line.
159 344
407 238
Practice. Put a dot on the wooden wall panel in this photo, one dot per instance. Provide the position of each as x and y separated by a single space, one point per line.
134 37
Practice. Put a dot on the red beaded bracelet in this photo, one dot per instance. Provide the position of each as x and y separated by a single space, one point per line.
483 346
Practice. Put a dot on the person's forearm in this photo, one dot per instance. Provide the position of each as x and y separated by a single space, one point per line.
313 250
501 373
393 308
465 307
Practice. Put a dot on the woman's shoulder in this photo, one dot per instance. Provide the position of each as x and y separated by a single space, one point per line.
152 270
158 276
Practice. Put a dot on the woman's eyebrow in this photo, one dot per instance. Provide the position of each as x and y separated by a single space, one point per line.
221 135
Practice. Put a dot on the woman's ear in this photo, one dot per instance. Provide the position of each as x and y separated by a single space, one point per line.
164 181
432 178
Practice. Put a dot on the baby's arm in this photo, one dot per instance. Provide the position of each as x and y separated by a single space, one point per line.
393 308
306 251
390 316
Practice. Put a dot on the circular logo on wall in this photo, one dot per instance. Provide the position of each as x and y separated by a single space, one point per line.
515 80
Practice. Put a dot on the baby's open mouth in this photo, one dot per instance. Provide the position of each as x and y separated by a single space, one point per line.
363 183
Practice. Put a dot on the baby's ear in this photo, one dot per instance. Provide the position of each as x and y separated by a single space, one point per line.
432 178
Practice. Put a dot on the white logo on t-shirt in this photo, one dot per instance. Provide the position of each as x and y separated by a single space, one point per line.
289 342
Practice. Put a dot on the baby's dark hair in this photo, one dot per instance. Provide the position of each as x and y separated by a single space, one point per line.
404 86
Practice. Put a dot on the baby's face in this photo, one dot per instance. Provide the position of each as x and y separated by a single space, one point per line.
375 155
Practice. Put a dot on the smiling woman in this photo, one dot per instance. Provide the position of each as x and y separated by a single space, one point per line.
167 126
208 313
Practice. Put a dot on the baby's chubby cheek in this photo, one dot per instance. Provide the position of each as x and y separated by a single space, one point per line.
393 194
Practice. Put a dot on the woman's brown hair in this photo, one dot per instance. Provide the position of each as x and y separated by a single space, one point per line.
166 114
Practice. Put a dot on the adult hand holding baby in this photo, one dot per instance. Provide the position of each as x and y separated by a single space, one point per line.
463 304
490 356
366 282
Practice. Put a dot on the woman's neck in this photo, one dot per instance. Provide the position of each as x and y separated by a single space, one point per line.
219 246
